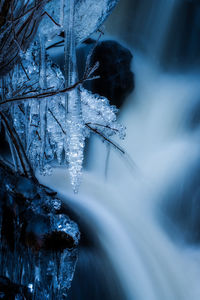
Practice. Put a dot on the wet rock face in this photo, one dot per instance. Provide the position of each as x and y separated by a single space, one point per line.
116 80
38 249
12 291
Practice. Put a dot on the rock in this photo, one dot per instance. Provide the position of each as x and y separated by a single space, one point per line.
12 291
116 80
38 244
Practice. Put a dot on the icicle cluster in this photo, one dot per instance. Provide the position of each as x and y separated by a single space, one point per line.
53 128
49 130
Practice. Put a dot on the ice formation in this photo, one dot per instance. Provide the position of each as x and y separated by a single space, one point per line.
47 115
38 250
88 17
51 121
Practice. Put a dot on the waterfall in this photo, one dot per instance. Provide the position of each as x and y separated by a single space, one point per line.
145 218
167 31
127 213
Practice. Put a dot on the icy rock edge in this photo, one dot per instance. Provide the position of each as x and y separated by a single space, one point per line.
38 250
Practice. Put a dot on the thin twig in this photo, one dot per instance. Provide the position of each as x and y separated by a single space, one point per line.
24 71
101 125
57 44
88 69
57 121
21 109
105 138
50 17
46 94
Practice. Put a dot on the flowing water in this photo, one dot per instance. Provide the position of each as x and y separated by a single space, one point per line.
125 213
141 220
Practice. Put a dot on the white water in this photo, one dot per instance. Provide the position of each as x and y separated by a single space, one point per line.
124 211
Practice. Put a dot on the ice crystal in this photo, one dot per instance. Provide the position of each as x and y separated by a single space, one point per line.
98 114
74 122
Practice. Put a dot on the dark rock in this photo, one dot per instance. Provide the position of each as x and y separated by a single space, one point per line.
36 240
116 80
58 241
8 226
26 188
34 228
12 291
45 232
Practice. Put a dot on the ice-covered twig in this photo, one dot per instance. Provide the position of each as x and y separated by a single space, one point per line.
105 138
19 24
45 94
52 19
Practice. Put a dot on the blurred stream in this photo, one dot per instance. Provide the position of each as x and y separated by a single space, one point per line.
141 226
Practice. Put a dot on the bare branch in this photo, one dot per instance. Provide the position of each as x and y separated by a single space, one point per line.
46 94
105 126
46 13
25 71
88 68
17 31
57 121
105 138
57 44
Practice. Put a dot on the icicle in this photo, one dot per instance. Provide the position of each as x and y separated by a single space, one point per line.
15 77
61 12
74 122
43 77
25 111
69 46
43 103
